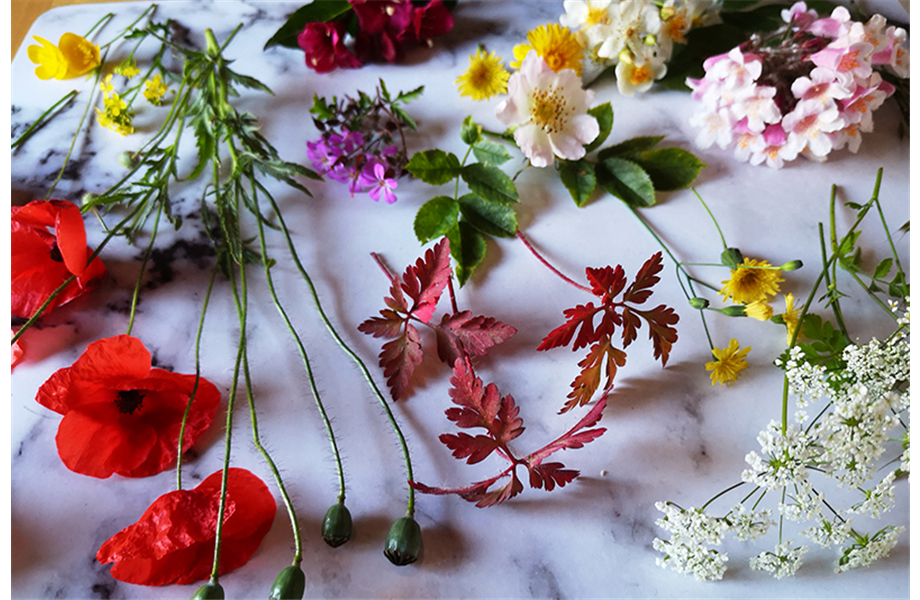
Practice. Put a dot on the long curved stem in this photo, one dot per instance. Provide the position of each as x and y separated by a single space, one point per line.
140 276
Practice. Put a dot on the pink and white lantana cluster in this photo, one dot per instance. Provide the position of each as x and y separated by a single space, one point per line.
812 92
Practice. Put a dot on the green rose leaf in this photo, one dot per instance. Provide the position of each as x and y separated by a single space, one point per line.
470 131
670 168
435 218
627 181
604 116
631 147
489 183
491 153
490 218
468 248
434 167
315 12
578 177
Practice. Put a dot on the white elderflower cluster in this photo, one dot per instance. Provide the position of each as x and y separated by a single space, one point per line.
868 550
783 458
878 500
748 524
784 561
692 532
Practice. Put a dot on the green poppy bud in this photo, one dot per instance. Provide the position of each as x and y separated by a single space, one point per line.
289 584
792 265
209 591
699 303
337 525
733 311
403 542
126 159
731 257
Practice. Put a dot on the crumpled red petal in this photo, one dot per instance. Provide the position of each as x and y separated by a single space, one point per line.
35 274
16 350
173 541
97 437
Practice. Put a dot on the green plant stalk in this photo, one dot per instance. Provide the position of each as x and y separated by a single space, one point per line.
41 120
714 222
140 277
188 407
881 216
304 357
410 505
835 304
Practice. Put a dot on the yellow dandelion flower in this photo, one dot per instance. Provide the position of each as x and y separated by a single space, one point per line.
758 310
485 77
555 44
728 363
791 318
155 91
752 281
49 58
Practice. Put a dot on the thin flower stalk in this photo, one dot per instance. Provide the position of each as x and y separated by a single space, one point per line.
137 285
43 118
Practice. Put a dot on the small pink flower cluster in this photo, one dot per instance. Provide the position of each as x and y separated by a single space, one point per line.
345 158
808 89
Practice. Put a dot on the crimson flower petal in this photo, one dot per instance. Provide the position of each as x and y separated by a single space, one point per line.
42 261
173 541
430 21
120 415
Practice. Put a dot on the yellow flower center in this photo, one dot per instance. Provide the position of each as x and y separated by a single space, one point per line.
597 15
549 110
640 75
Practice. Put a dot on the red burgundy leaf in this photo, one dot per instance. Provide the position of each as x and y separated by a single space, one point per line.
574 438
581 316
473 448
399 358
425 281
638 292
607 282
388 325
173 541
549 475
120 416
461 332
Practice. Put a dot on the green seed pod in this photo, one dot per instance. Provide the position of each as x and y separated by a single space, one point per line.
731 257
733 311
699 303
126 159
337 525
792 265
403 542
209 591
289 584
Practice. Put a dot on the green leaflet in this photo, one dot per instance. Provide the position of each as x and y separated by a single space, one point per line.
468 248
434 167
627 181
578 177
630 147
470 131
314 12
489 183
490 218
436 218
604 116
670 168
490 153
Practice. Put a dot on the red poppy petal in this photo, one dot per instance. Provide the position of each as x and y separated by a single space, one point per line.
71 238
173 542
113 359
90 444
54 393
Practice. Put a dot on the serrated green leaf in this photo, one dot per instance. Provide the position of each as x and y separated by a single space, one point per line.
882 269
630 147
489 183
315 12
578 177
321 109
404 117
434 167
492 153
670 168
626 180
407 97
604 116
436 218
470 131
468 248
490 218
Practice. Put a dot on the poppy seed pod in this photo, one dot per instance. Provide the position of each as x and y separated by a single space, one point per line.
209 591
289 584
337 525
403 542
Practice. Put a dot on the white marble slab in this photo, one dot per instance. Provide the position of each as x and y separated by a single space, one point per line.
670 434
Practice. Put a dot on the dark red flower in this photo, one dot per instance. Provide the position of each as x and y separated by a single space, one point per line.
429 21
122 416
173 542
382 25
324 47
41 260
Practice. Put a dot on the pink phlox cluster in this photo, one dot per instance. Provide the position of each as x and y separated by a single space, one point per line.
808 89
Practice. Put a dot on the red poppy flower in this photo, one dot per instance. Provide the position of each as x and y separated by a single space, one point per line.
324 47
16 350
173 542
41 260
122 416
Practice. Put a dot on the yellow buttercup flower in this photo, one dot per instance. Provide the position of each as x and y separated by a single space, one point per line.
748 284
728 363
73 56
485 77
758 310
791 318
155 91
555 44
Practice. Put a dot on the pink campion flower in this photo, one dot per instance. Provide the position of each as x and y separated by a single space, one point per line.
373 177
549 110
323 155
382 25
324 47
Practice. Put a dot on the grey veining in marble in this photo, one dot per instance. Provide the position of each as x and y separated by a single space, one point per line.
670 434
